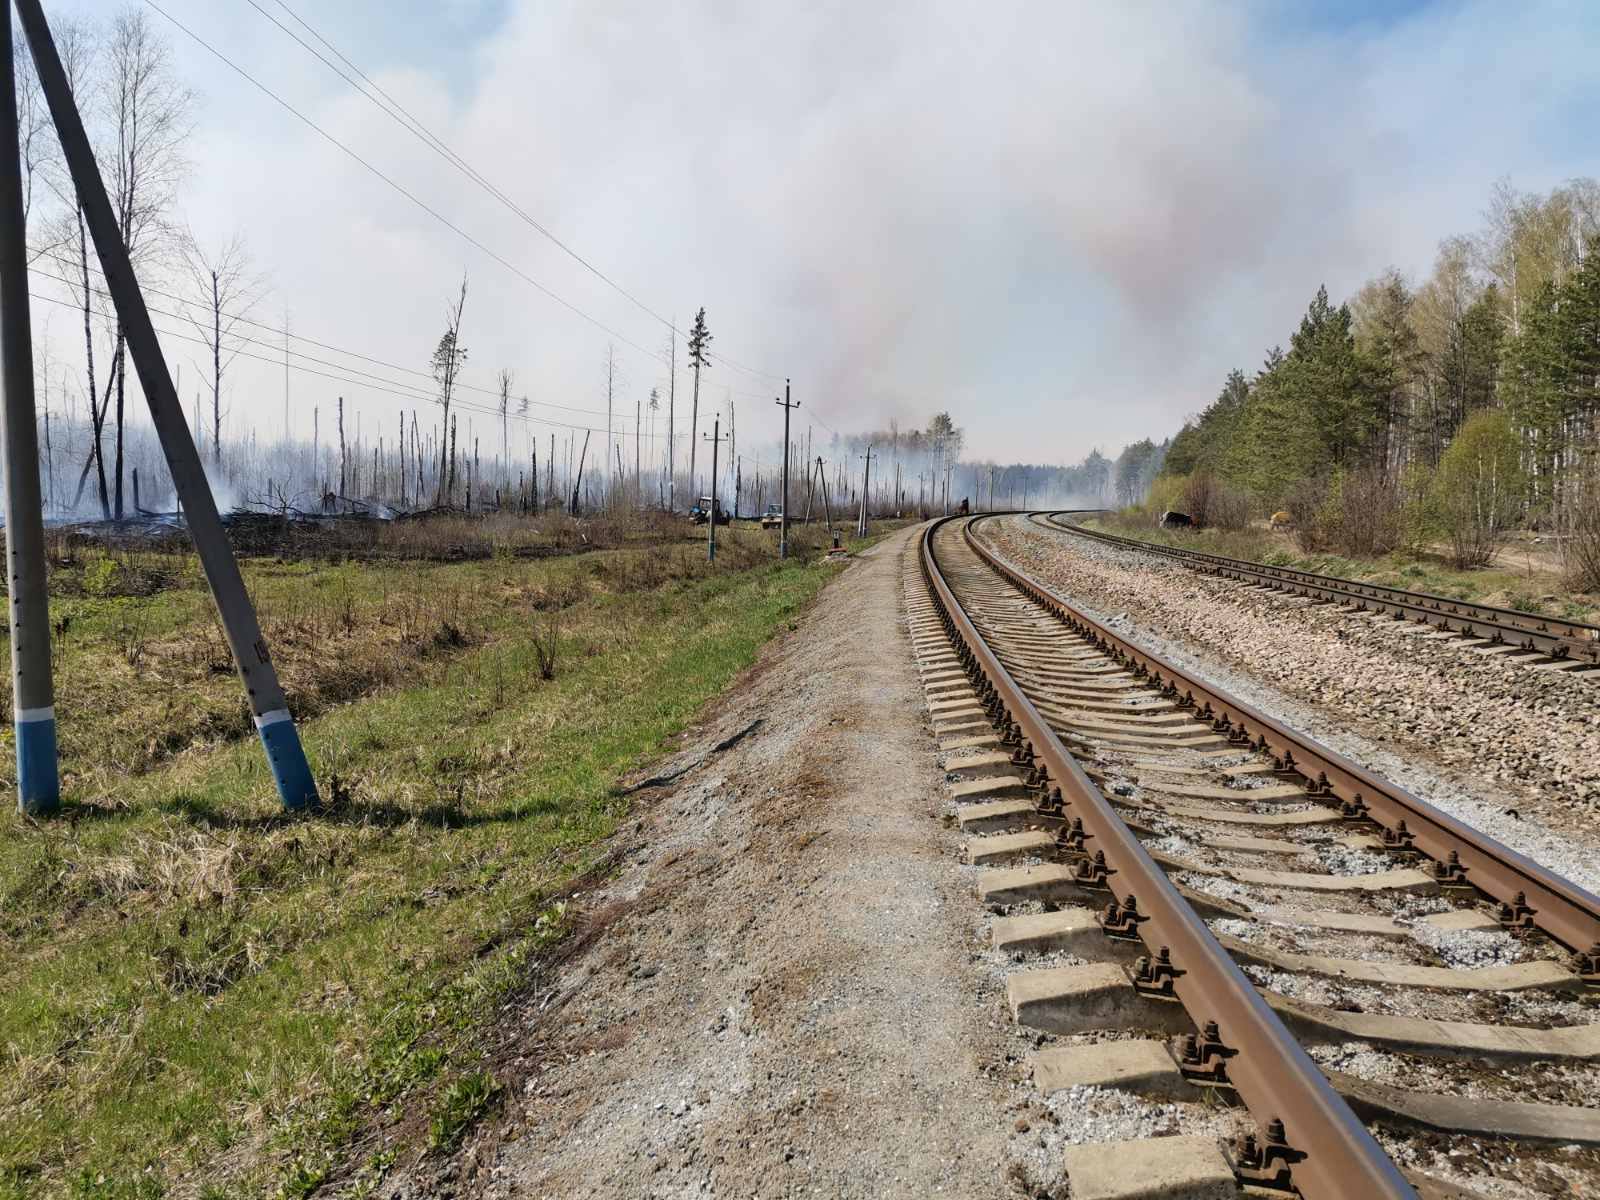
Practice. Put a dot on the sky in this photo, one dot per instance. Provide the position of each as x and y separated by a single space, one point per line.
1062 222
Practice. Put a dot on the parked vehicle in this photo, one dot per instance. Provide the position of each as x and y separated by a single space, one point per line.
773 517
701 512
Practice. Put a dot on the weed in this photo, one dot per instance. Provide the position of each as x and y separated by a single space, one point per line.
461 1106
102 577
265 987
1526 602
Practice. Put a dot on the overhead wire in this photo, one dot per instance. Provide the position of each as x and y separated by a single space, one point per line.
399 188
399 113
240 318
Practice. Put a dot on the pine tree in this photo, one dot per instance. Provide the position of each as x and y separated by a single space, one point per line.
699 357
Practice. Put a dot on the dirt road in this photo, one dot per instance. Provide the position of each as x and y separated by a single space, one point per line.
787 1003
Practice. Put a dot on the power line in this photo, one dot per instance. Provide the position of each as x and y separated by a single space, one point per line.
240 318
411 196
415 397
403 191
397 112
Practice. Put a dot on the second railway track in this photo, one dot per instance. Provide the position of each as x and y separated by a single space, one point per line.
1552 643
1309 933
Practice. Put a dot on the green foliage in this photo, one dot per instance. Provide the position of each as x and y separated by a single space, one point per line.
265 988
103 577
1480 488
463 1103
700 341
1201 441
1135 466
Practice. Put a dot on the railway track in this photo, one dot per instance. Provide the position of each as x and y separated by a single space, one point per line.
1168 863
1548 642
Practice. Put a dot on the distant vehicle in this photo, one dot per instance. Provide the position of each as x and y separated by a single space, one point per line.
701 512
773 517
1282 520
1176 520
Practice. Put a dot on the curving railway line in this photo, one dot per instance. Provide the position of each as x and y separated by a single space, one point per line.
1175 860
1544 640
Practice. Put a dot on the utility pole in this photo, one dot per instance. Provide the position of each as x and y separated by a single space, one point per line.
268 705
638 496
866 480
783 520
33 691
672 395
822 480
711 516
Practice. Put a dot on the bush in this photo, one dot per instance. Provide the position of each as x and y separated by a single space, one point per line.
1480 488
1579 516
1213 503
1364 513
1166 493
1304 504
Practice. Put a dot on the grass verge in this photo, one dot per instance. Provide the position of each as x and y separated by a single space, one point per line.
202 992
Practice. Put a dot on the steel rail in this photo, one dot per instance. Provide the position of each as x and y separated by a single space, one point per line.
1331 1154
1552 636
1526 893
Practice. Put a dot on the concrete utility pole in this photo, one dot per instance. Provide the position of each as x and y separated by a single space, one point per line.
866 480
267 703
711 515
32 691
783 521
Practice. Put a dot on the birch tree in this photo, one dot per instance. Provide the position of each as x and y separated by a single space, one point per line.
226 287
150 114
448 358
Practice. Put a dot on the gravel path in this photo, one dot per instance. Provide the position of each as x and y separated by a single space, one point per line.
788 1003
1515 752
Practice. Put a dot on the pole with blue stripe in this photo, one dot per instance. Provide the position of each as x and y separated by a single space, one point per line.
285 755
32 692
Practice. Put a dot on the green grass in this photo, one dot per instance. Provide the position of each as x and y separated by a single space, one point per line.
199 988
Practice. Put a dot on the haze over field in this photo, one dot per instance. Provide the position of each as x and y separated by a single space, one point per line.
1062 223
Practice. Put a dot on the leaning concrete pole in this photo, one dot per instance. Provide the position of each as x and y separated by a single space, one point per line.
278 735
33 695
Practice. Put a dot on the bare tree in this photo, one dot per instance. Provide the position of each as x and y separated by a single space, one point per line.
448 357
504 381
150 113
67 241
227 288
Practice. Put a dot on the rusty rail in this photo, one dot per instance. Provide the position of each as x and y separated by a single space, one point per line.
1328 1152
1533 632
1526 894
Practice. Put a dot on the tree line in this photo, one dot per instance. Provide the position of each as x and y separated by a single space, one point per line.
1453 408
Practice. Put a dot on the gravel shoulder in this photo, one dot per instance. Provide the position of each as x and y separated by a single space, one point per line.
1513 751
784 999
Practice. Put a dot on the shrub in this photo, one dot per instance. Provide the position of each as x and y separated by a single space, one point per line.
103 577
1167 492
1304 505
1363 513
1213 503
1579 516
1480 488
